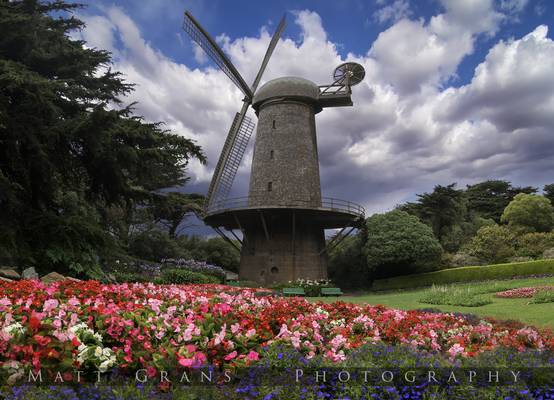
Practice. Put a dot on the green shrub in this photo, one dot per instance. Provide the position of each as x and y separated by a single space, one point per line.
453 296
153 245
121 276
534 244
399 243
183 276
348 265
311 287
493 244
467 274
543 296
531 211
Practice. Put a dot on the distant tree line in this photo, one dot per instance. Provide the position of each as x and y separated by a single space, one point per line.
488 222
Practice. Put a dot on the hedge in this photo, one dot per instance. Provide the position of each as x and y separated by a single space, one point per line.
467 274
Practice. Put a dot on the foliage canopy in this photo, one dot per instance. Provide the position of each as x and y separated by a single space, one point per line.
76 165
398 243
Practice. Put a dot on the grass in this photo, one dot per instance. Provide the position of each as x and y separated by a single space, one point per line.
544 296
453 295
521 309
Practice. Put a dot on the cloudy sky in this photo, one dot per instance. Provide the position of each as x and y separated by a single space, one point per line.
455 90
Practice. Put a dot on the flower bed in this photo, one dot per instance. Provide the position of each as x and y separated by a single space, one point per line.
524 292
89 325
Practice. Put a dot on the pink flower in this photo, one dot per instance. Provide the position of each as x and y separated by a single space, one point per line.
4 303
455 350
186 362
73 302
191 348
235 328
49 305
252 356
230 356
223 308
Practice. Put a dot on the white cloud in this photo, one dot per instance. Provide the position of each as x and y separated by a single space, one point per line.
407 130
99 33
513 6
199 55
394 12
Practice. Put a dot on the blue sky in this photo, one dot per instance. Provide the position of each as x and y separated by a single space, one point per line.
352 24
455 90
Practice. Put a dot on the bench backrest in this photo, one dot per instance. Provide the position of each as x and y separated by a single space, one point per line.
297 291
331 291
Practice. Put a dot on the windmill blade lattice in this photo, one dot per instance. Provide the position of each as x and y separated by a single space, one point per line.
206 43
229 160
242 126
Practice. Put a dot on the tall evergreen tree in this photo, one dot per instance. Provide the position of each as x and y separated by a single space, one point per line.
70 151
488 199
441 209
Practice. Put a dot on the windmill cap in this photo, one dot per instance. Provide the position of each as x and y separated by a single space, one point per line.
288 87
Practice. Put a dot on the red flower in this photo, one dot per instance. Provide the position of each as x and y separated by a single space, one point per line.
34 322
42 340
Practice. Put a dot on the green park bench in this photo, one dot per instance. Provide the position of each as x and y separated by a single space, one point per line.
331 291
296 291
264 293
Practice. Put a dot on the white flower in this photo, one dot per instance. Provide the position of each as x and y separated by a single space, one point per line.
14 329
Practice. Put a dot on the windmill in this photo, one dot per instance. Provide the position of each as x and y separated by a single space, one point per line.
284 216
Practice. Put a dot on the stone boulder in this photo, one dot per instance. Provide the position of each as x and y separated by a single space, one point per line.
70 278
30 273
5 279
548 254
53 277
520 259
9 273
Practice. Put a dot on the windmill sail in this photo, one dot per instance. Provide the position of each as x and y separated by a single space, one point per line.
242 126
206 43
269 52
229 160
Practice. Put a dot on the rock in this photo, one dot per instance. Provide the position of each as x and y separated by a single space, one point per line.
53 277
5 279
9 273
231 276
520 259
462 259
548 253
70 278
30 273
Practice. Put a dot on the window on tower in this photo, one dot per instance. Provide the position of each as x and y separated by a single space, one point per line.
273 124
271 154
269 186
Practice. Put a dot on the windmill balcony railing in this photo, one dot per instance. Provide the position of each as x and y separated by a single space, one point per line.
326 203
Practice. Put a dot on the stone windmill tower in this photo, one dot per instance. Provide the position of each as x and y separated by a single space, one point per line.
284 216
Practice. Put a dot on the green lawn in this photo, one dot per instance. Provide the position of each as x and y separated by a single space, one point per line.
520 309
